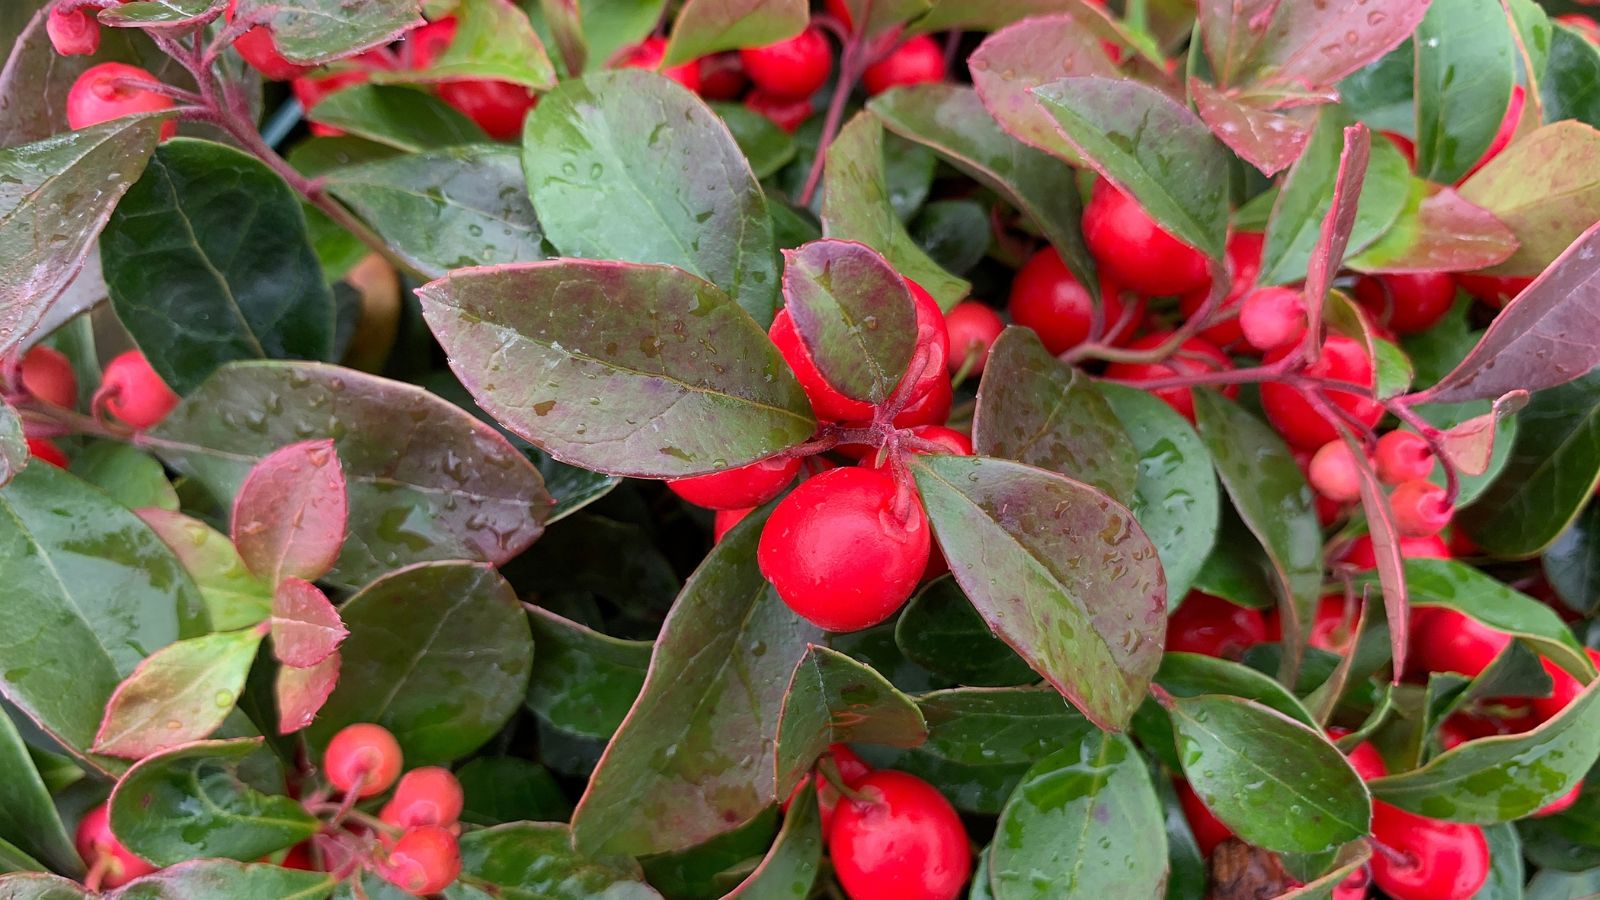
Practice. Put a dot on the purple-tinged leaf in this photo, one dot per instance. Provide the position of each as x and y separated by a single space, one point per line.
1545 187
290 515
234 597
161 13
1386 550
181 693
1059 570
789 869
833 699
306 629
301 693
871 18
1305 46
623 368
537 860
1014 60
1328 253
1438 231
986 15
1268 140
320 31
1153 148
1542 338
703 27
1470 445
854 313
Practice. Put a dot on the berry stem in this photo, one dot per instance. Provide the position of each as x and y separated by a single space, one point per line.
829 770
856 55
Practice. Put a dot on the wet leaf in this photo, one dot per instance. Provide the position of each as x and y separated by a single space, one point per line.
290 514
854 314
1546 189
319 31
1387 553
940 631
28 816
221 878
503 789
301 692
528 859
13 443
134 479
493 41
160 13
306 629
1266 139
180 693
234 598
710 26
1014 60
789 870
1300 45
1192 675
1466 66
585 681
1437 231
767 147
832 699
405 118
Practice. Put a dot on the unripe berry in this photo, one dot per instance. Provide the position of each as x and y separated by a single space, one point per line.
919 60
739 488
793 68
364 752
1407 302
47 375
1134 251
1335 473
1272 318
1193 356
1244 266
134 393
110 91
260 50
1427 859
1443 640
1402 456
1046 297
426 796
1421 508
101 849
425 860
901 839
74 33
648 53
840 553
973 328
785 112
1212 626
1300 423
46 451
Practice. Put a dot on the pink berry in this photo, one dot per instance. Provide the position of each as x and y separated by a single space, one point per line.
426 796
366 753
1272 317
102 850
973 328
47 375
1403 456
1420 508
134 393
1335 473
425 860
110 91
74 33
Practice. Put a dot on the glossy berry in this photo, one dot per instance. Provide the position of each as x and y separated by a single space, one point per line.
1335 472
46 451
1193 356
1507 130
724 520
838 551
1407 302
951 440
1213 626
1301 424
648 53
425 860
852 769
1046 297
1364 757
1443 640
900 839
785 112
917 61
1402 456
1420 508
1565 690
498 107
1361 555
110 91
1208 830
426 43
74 33
792 69
134 393
260 50
1495 290
425 796
1426 859
722 76
101 850
1272 318
1244 266
932 406
1332 626
364 752
47 375
739 488
1134 251
972 328
1561 804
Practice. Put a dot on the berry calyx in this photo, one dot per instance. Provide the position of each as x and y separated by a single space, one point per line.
739 488
1272 318
1402 456
73 33
46 450
105 855
1443 640
792 69
1212 626
362 754
110 91
1407 302
260 50
425 860
973 328
1421 508
427 796
1335 473
1300 423
1193 356
1048 298
1426 859
919 60
1244 266
134 393
785 112
47 375
1134 251
900 839
845 549
648 54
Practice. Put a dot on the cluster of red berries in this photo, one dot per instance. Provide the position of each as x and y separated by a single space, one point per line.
1401 459
888 833
129 390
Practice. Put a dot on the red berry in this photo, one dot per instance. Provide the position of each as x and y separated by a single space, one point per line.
1561 803
426 43
1585 26
1407 302
901 839
1272 318
1508 129
932 405
1194 355
47 375
1420 508
1495 290
721 76
366 752
75 33
1566 688
1427 859
840 9
792 69
1361 555
1207 828
46 451
1443 640
1134 251
786 113
739 488
951 440
134 393
919 60
1332 629
101 849
840 554
973 328
1301 424
1402 456
1405 145
852 769
1335 473
725 519
1244 265
426 796
425 860
648 53
311 91
1214 627
260 50
1364 757
1047 298
498 107
110 91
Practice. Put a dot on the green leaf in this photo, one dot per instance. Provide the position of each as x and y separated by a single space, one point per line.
13 443
1175 497
1085 819
1059 570
404 118
319 31
982 15
710 868
767 147
1437 231
1567 840
1035 409
832 699
698 740
1572 562
32 884
234 598
704 27
856 207
585 681
956 234
872 18
132 478
1275 782
438 653
55 197
159 13
91 592
1191 675
501 789
426 481
28 818
1008 65
636 141
1546 188
180 693
1501 778
1307 199
854 314
1150 146
940 631
535 861
201 800
1506 876
494 41
1570 85
446 209
952 121
789 870
228 879
1553 885
1466 66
